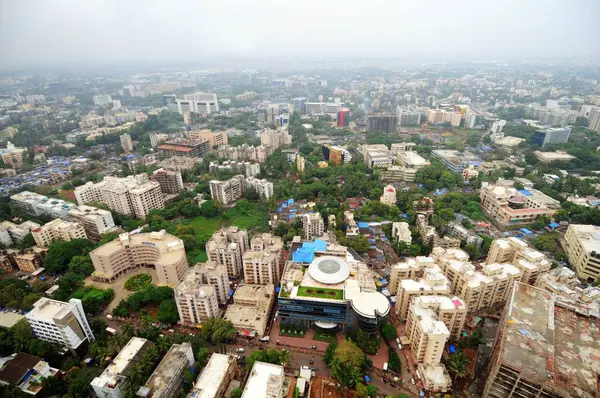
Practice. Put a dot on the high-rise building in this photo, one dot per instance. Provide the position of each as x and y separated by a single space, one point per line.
167 379
245 152
57 230
408 116
13 156
226 192
343 117
381 123
102 100
529 261
275 138
313 226
184 147
95 222
132 195
263 263
58 322
582 243
257 300
115 379
544 347
263 188
432 283
299 105
216 139
131 251
226 247
126 143
170 181
215 275
594 120
196 301
272 114
248 169
549 136
203 103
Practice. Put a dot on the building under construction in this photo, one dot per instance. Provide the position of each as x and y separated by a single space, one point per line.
547 346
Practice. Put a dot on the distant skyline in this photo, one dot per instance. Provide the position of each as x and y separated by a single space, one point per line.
48 33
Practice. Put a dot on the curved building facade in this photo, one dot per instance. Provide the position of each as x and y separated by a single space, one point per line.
132 251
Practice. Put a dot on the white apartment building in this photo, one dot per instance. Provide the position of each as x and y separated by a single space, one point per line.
215 275
401 232
95 222
432 283
265 381
226 247
167 379
529 261
263 187
57 230
131 251
410 162
389 196
248 169
198 103
58 322
196 302
170 181
272 114
132 195
11 232
583 248
426 333
245 152
313 226
102 100
263 263
126 143
451 310
36 204
13 156
227 192
412 268
114 380
377 155
479 289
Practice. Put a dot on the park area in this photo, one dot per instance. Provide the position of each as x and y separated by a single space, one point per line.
320 292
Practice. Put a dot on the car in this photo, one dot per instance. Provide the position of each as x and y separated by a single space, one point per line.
400 346
397 340
239 350
314 347
412 381
311 362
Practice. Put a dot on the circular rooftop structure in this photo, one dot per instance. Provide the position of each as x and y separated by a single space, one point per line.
329 270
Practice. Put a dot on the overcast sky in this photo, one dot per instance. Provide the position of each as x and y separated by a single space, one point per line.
49 32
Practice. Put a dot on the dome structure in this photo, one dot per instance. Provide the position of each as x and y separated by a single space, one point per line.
329 270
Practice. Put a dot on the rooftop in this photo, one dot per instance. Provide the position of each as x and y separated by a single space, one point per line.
131 353
169 368
49 309
589 236
9 319
552 340
263 379
209 381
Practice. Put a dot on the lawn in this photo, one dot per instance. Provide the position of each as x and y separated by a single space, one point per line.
205 226
320 292
248 215
199 256
326 336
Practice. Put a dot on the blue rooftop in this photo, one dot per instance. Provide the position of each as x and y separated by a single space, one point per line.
362 224
525 192
526 231
317 244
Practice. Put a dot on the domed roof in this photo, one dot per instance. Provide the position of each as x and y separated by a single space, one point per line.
329 269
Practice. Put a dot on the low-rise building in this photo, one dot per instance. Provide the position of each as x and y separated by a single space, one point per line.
454 160
251 309
389 196
57 230
114 380
37 205
131 251
25 372
168 377
248 169
185 148
401 233
556 156
215 377
377 155
12 233
265 380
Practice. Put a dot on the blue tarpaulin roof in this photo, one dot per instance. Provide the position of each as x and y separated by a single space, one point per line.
553 225
404 215
291 201
362 224
230 292
525 231
277 289
367 378
303 255
525 192
317 244
452 348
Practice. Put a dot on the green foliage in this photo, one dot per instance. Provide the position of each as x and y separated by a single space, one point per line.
348 364
94 300
138 282
276 357
151 295
217 331
393 360
330 352
13 291
458 364
240 140
322 292
547 242
367 342
81 265
60 253
389 332
167 312
236 393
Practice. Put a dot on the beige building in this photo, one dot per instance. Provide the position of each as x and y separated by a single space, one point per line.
28 262
132 251
479 289
529 261
195 302
216 139
412 268
227 192
389 196
432 283
57 230
313 226
426 333
95 221
263 188
167 379
13 156
245 152
132 195
263 263
452 311
126 143
275 138
376 155
582 243
251 308
211 273
508 206
215 377
226 247
265 380
170 181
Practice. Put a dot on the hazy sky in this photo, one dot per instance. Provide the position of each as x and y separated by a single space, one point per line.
46 32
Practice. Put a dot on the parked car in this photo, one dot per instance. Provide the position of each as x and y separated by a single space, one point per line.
239 350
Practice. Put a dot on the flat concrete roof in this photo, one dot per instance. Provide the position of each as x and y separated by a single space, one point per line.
211 378
9 319
263 376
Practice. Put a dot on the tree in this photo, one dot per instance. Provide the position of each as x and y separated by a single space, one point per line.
393 360
389 332
347 364
53 386
22 335
251 194
79 382
60 253
236 393
458 364
81 265
167 312
330 352
360 243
